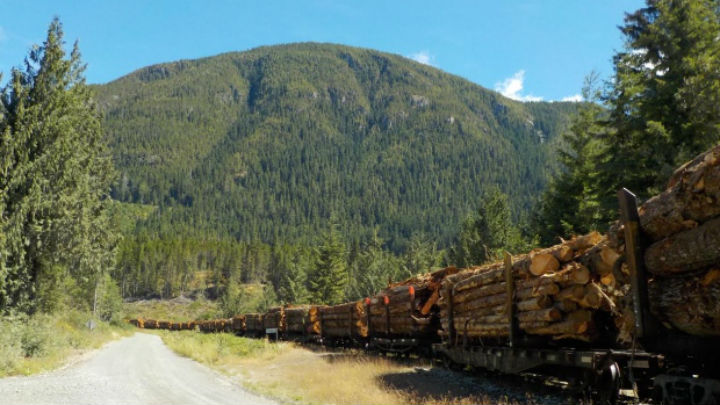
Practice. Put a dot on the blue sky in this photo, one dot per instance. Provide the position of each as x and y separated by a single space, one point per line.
528 49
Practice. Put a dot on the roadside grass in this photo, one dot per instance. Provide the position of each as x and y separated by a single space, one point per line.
32 344
293 374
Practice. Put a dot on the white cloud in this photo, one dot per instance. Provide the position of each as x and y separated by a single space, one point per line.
576 98
512 86
3 35
423 57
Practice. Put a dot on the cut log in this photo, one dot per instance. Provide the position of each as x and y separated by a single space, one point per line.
548 314
601 259
571 273
484 291
692 197
534 303
573 293
690 304
566 305
593 297
567 327
547 289
543 263
686 251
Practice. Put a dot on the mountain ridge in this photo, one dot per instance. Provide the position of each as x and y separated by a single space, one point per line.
280 138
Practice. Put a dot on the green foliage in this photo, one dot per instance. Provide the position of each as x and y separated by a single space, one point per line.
55 176
40 342
661 108
570 205
288 273
329 276
108 302
664 103
373 268
487 234
263 145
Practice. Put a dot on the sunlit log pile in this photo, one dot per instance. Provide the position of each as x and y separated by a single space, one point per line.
407 308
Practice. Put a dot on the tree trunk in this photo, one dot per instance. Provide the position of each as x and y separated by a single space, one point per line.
692 197
686 251
690 304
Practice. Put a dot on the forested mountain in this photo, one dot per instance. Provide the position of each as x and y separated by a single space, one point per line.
266 145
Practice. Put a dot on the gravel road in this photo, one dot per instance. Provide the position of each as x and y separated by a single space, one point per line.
135 370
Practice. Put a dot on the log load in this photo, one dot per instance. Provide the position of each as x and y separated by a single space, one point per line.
690 304
301 319
238 324
274 318
407 308
254 323
555 293
692 197
686 251
344 320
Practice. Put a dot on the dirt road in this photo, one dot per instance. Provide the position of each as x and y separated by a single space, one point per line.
135 370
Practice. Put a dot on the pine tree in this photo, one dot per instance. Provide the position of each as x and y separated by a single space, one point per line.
485 235
328 278
664 100
373 268
55 175
570 204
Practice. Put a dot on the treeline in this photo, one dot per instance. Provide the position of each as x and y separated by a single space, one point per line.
660 108
329 271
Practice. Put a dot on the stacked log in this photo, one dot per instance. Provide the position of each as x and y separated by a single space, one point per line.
151 324
683 225
274 318
407 308
254 323
238 324
555 292
298 319
344 320
314 327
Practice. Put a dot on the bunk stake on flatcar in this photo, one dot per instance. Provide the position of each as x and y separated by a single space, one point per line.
634 259
510 303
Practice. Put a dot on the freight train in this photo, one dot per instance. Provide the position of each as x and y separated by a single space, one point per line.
579 311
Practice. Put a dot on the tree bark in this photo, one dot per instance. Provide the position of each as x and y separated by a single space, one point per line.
686 251
692 197
690 304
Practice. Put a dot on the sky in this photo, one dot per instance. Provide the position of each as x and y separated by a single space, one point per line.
526 49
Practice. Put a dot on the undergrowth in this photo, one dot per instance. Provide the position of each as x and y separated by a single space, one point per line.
31 344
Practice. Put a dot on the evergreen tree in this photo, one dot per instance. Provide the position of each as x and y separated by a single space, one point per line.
328 278
487 234
55 176
664 100
570 204
373 268
421 256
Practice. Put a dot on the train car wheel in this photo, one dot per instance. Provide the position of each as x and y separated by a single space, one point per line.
606 387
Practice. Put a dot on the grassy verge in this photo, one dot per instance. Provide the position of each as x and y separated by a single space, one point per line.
43 342
295 374
177 310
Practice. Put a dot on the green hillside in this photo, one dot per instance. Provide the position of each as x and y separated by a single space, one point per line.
266 145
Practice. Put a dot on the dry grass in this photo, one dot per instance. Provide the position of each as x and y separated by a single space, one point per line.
294 374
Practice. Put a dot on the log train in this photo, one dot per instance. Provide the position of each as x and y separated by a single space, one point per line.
637 309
